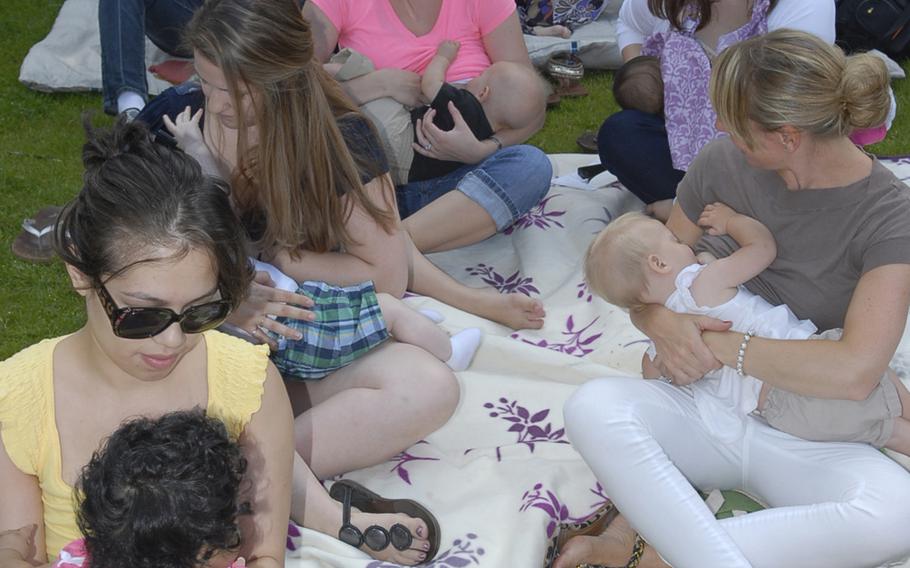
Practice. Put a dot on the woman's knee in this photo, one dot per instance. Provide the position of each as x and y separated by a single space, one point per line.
882 515
886 504
535 171
509 183
614 133
429 387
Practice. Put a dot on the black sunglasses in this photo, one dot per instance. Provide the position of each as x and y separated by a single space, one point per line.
142 323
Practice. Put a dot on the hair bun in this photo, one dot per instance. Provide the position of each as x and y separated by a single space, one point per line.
865 94
104 145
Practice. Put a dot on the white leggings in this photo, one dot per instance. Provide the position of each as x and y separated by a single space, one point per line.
829 504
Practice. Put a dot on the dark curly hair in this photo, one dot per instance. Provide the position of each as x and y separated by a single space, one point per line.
162 493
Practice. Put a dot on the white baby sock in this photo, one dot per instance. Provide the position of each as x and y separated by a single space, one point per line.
464 346
432 315
129 99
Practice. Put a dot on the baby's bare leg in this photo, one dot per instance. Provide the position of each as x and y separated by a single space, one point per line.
412 327
554 31
409 326
900 437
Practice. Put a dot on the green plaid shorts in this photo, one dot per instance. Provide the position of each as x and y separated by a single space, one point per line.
348 324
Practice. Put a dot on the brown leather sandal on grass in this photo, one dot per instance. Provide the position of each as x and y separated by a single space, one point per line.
35 243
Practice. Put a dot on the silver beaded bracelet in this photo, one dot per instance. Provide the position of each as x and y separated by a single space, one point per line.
740 357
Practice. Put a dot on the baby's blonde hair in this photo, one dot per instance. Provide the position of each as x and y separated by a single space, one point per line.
615 261
794 78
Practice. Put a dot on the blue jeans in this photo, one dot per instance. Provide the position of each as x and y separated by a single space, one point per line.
507 185
123 25
633 145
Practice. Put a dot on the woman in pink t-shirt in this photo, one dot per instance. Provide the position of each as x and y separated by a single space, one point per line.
401 37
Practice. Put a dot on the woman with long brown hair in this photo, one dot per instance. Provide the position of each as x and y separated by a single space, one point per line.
311 185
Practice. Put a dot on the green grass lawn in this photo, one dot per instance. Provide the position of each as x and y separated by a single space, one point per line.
40 142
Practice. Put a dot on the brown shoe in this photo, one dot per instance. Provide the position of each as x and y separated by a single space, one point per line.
588 142
35 243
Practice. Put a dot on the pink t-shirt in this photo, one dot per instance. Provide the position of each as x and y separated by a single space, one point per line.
372 28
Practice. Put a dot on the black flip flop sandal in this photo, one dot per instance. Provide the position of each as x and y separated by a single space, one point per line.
352 494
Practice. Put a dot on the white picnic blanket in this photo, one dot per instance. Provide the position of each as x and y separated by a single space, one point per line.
501 473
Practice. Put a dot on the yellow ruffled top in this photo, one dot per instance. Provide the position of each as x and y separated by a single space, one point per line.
28 428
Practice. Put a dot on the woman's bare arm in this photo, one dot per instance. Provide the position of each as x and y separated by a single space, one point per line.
505 43
378 255
849 368
325 34
268 445
631 51
20 506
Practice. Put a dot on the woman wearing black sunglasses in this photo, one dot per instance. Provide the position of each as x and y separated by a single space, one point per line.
154 248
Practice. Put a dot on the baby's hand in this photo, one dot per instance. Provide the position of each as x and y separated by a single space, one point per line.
448 49
715 218
185 128
17 543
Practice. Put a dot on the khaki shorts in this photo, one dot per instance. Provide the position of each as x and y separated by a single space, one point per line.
833 420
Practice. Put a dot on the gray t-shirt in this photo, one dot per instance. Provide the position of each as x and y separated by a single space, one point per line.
826 238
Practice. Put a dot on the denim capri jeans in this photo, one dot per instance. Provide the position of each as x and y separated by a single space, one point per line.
507 184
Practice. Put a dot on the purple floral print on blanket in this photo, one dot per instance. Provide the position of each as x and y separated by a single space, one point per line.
505 284
685 68
577 343
549 503
463 552
404 458
530 428
538 217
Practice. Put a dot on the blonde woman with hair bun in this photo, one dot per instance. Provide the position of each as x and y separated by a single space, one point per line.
841 221
796 80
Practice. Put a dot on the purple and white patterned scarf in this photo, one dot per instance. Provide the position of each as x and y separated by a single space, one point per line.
686 71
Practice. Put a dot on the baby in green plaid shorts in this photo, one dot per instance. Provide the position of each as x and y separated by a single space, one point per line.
353 320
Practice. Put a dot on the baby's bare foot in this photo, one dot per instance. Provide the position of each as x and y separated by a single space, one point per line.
516 311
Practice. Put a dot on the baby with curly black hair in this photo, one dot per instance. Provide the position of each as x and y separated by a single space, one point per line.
161 493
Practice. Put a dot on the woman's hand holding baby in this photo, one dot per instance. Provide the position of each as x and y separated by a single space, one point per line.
265 300
681 352
458 144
